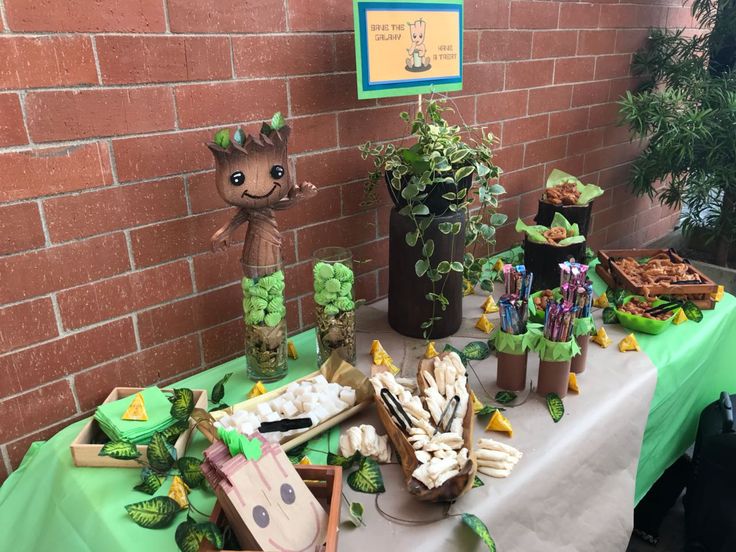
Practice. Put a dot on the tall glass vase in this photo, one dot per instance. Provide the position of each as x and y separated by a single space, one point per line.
265 325
335 303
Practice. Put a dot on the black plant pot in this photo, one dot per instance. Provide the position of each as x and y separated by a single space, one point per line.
543 261
434 201
579 214
408 306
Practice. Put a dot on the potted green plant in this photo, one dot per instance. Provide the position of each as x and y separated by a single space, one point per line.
445 191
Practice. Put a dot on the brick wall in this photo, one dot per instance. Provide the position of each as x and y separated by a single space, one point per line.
106 194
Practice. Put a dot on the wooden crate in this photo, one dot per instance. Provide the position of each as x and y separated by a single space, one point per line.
86 451
325 482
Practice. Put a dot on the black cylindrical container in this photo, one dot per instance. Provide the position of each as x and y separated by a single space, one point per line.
579 214
408 305
543 260
434 201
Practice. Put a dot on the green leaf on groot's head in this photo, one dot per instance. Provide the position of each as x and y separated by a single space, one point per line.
159 454
222 138
367 478
182 403
277 121
189 535
191 472
480 529
120 450
154 513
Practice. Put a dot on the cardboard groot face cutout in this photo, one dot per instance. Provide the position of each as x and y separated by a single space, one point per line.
253 176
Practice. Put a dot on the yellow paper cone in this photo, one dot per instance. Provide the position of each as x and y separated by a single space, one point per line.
500 423
484 325
572 383
430 352
256 390
137 410
629 343
293 353
601 338
178 492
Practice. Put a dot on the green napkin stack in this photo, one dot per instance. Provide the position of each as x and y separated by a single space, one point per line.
110 417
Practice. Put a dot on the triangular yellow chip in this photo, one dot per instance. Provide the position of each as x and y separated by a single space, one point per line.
601 301
178 492
256 390
483 324
137 410
718 295
572 383
601 338
382 358
500 423
489 305
680 317
430 351
468 287
376 346
477 405
498 267
629 343
305 461
293 353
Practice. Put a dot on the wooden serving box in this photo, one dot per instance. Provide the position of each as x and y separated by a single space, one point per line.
608 270
87 445
325 482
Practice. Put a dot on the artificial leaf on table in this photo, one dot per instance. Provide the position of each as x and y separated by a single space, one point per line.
342 461
692 311
616 296
191 472
159 454
367 478
150 481
477 482
555 406
477 350
189 535
120 450
480 529
182 403
217 407
505 397
609 316
178 491
153 513
218 391
486 410
356 511
171 433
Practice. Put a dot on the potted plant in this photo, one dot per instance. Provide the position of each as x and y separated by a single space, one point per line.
431 185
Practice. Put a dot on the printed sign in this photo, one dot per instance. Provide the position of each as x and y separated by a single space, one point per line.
408 47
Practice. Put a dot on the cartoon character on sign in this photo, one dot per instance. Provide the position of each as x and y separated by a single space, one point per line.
417 60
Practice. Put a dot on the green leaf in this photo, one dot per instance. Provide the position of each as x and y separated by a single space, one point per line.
171 433
462 172
277 121
477 350
477 482
421 267
420 209
154 513
190 535
456 266
342 461
356 511
555 406
609 316
150 481
498 219
367 478
239 136
183 403
411 238
505 397
159 454
120 450
497 189
445 227
222 138
218 391
443 267
692 311
428 248
486 410
480 529
191 472
616 296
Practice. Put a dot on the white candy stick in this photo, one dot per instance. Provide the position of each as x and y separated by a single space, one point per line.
496 455
500 474
496 465
445 476
496 445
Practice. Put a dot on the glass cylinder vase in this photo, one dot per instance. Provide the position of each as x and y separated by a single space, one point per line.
265 325
334 303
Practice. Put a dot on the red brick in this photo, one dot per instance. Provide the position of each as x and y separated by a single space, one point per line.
382 282
306 306
630 40
616 135
526 74
325 206
545 150
45 171
604 114
678 18
585 141
314 132
346 232
149 59
345 52
501 105
487 14
29 274
505 45
579 16
571 165
552 98
57 401
203 195
589 93
331 167
46 61
651 16
608 67
611 156
114 208
155 156
224 341
12 129
566 122
574 69
177 238
69 354
517 131
190 315
549 44
481 77
27 323
231 102
20 228
619 15
139 16
596 42
619 87
3 470
111 298
299 279
370 256
385 124
509 158
366 287
226 16
142 369
470 46
331 15
526 180
282 55
68 115
324 93
215 269
534 15
352 195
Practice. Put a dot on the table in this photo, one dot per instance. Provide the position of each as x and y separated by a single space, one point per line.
573 490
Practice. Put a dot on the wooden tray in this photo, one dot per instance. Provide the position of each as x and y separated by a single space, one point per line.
609 271
450 489
325 482
86 453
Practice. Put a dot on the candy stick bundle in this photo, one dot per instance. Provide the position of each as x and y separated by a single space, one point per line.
517 281
559 320
514 304
576 289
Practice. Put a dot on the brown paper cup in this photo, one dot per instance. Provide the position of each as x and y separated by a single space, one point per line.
553 377
511 371
577 364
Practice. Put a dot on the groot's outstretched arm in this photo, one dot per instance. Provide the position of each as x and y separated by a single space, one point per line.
298 193
220 239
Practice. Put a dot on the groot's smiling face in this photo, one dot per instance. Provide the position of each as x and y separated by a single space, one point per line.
254 175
